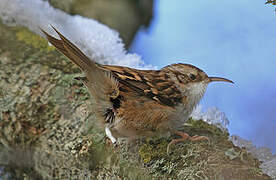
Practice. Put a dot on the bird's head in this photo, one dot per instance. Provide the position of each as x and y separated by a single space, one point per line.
191 80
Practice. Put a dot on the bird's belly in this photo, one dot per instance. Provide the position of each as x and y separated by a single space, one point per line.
149 121
181 115
142 120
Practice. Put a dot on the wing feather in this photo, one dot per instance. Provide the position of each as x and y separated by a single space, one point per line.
155 85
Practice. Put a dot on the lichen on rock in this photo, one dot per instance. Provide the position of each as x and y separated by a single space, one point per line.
34 40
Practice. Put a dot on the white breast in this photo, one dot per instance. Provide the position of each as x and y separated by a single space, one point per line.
194 93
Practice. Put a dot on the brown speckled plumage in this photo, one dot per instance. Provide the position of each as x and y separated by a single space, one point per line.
133 103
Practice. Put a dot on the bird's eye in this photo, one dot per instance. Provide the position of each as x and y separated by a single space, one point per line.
192 76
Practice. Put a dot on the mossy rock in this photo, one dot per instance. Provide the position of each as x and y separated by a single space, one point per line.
217 159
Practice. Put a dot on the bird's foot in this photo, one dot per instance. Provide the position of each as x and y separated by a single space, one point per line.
184 137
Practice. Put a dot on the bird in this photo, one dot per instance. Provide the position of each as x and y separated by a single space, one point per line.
132 103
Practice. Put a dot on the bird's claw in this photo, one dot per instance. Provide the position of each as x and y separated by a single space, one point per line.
184 137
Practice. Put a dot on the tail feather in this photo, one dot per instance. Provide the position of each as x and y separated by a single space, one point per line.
100 82
76 54
66 50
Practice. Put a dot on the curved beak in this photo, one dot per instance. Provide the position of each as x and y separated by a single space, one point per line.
211 79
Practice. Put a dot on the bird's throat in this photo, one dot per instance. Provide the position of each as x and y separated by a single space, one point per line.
194 93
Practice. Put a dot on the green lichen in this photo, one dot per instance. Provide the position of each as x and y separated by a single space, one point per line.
232 154
152 150
204 128
1 92
154 154
34 40
199 160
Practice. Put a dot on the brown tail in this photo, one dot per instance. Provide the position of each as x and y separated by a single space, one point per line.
70 51
99 81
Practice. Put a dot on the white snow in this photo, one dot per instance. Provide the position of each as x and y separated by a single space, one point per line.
98 41
211 116
268 167
262 153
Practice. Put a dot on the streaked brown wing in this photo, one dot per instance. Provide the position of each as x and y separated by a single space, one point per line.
155 85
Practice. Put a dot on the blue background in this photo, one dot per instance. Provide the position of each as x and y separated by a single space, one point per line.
236 40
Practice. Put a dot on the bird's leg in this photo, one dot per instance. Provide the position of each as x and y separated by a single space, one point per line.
184 137
109 135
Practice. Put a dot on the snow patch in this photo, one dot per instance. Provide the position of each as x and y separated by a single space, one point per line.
96 40
262 153
211 116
